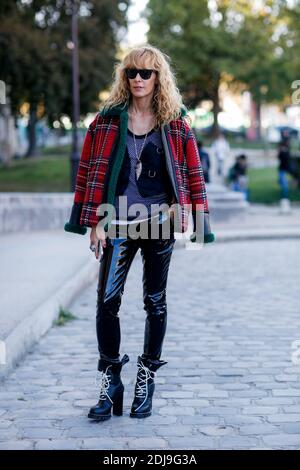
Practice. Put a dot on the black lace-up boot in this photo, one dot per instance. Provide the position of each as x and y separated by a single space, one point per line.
144 387
111 390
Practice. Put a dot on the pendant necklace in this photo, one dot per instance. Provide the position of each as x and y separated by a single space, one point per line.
138 166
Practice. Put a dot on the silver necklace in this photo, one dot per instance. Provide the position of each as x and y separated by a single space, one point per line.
138 166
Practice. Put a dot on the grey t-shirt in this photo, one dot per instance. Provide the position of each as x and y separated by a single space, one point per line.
132 192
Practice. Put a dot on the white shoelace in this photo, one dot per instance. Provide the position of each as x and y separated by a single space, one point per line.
103 382
141 383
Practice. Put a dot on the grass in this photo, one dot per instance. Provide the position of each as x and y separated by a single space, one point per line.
240 142
61 150
51 173
47 173
64 316
264 187
256 145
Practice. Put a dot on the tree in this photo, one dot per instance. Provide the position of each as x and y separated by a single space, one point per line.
35 54
290 42
260 60
210 40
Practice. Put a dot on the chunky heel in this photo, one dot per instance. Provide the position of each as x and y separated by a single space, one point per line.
118 405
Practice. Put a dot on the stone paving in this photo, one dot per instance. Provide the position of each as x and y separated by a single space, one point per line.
232 378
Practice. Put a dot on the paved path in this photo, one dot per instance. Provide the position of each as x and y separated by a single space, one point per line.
48 259
230 381
34 266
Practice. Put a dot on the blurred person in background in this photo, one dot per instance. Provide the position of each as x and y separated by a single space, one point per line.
237 175
205 161
221 150
284 167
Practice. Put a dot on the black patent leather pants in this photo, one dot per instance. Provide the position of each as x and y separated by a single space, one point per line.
115 263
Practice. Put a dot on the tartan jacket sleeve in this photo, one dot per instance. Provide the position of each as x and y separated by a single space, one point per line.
197 187
73 225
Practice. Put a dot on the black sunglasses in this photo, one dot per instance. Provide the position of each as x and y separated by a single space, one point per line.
145 74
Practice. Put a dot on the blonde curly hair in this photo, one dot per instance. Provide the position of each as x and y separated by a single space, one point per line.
167 101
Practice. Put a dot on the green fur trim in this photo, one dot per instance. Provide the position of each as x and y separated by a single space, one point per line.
114 110
117 164
209 238
75 228
117 110
183 111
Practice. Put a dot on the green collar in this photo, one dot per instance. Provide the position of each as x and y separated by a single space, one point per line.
120 109
114 110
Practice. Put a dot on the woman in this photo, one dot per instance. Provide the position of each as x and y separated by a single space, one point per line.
139 149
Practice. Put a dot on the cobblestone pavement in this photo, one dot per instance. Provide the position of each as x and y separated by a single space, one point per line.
230 381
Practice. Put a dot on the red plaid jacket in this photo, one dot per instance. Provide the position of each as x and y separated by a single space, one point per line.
101 160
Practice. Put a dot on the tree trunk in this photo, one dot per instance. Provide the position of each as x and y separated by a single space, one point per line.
254 131
216 108
31 134
258 120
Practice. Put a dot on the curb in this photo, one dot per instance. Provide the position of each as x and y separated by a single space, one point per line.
34 326
226 236
232 236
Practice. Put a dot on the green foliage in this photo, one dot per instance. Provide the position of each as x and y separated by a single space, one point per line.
35 57
179 29
290 40
264 187
235 42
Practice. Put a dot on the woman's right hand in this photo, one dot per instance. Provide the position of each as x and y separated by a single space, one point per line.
97 238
